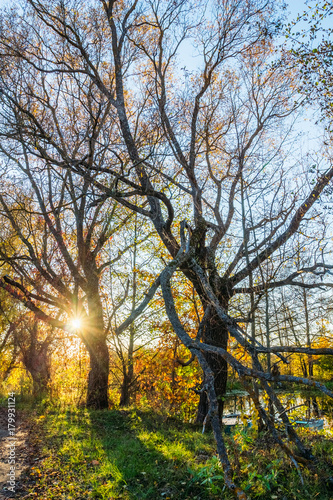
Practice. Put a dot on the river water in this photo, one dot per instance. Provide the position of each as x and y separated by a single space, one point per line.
299 405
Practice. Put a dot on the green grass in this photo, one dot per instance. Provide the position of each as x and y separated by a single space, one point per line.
114 454
134 455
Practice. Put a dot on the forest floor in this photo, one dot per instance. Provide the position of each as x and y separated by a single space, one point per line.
24 452
75 454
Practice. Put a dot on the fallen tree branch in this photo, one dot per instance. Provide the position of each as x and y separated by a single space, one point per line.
209 375
316 351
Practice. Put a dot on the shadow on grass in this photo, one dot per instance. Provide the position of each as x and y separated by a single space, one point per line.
123 454
158 459
136 455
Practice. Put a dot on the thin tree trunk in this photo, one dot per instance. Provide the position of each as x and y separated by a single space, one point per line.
128 364
307 326
128 371
124 391
268 338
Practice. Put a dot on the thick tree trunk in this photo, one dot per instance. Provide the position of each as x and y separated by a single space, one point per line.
37 362
39 369
94 339
98 380
215 333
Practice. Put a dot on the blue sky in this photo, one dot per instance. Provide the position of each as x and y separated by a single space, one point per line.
294 6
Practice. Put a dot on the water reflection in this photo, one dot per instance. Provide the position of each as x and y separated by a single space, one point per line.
298 405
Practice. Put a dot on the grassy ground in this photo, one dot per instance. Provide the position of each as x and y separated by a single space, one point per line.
136 455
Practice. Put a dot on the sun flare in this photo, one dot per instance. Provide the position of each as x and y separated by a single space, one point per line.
76 323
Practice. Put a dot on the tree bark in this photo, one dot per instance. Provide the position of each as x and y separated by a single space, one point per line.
128 369
215 333
39 368
308 337
93 336
98 380
124 392
35 353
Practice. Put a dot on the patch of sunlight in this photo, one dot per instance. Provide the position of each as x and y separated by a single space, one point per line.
110 469
175 451
171 450
153 438
107 481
